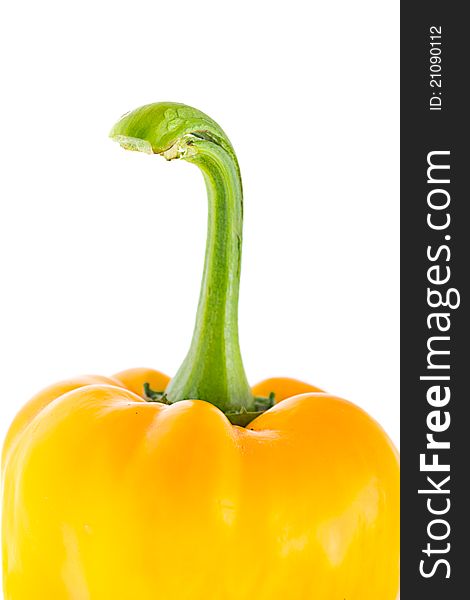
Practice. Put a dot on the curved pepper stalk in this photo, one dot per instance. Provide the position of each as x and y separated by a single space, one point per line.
213 368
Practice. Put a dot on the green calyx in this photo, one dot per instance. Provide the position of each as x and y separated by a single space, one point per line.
213 368
241 418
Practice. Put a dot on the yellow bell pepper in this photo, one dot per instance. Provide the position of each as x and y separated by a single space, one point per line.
135 487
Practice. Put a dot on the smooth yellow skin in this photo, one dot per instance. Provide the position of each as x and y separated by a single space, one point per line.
110 497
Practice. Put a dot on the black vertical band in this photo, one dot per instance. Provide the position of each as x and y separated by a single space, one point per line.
435 270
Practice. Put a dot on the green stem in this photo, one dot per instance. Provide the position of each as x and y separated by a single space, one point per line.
213 368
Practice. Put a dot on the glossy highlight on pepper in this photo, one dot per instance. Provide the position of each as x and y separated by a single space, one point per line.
138 486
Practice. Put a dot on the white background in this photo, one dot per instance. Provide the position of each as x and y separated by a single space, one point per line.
102 250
